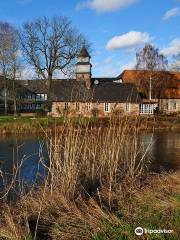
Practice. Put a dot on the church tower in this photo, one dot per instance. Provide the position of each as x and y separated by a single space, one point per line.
83 67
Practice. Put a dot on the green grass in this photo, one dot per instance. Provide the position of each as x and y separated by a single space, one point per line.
45 120
21 124
147 215
28 237
11 124
157 220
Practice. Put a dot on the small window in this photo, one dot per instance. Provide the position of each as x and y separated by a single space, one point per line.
38 96
146 109
127 107
167 106
88 107
45 96
38 106
66 106
107 107
174 106
77 106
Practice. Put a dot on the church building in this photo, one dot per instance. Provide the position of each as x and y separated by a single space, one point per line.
89 96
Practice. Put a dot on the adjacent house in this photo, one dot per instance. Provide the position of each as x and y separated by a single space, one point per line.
33 95
165 89
30 95
170 98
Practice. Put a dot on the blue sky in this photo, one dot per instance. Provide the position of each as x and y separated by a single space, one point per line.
116 28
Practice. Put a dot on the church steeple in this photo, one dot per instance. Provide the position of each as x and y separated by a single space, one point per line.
84 53
83 67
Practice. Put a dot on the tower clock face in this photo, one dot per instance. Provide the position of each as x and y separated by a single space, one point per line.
83 59
83 68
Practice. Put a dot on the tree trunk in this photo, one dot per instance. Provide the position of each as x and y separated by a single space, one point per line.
50 94
150 86
15 107
5 103
14 98
5 96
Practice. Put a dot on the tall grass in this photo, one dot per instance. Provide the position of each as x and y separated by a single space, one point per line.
85 163
95 157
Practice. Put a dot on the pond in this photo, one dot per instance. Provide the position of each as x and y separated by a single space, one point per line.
164 152
28 153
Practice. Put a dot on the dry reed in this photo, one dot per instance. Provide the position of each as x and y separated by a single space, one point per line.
83 162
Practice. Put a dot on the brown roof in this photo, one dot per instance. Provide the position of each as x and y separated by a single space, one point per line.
34 86
172 93
172 80
73 91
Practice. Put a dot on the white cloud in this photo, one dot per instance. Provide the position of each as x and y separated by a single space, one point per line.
129 66
173 49
172 13
28 73
128 40
105 5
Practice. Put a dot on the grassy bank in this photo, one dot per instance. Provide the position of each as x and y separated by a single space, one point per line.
97 187
21 125
154 204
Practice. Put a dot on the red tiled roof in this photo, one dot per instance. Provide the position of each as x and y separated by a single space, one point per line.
172 80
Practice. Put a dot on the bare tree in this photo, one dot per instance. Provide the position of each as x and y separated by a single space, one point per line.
14 74
150 59
51 45
8 56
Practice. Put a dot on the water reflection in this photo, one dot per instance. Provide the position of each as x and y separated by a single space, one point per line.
26 153
32 153
165 150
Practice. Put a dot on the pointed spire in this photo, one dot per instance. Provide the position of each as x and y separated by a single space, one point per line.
84 53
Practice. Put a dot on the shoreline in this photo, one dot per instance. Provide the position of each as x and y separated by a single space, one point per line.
24 125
